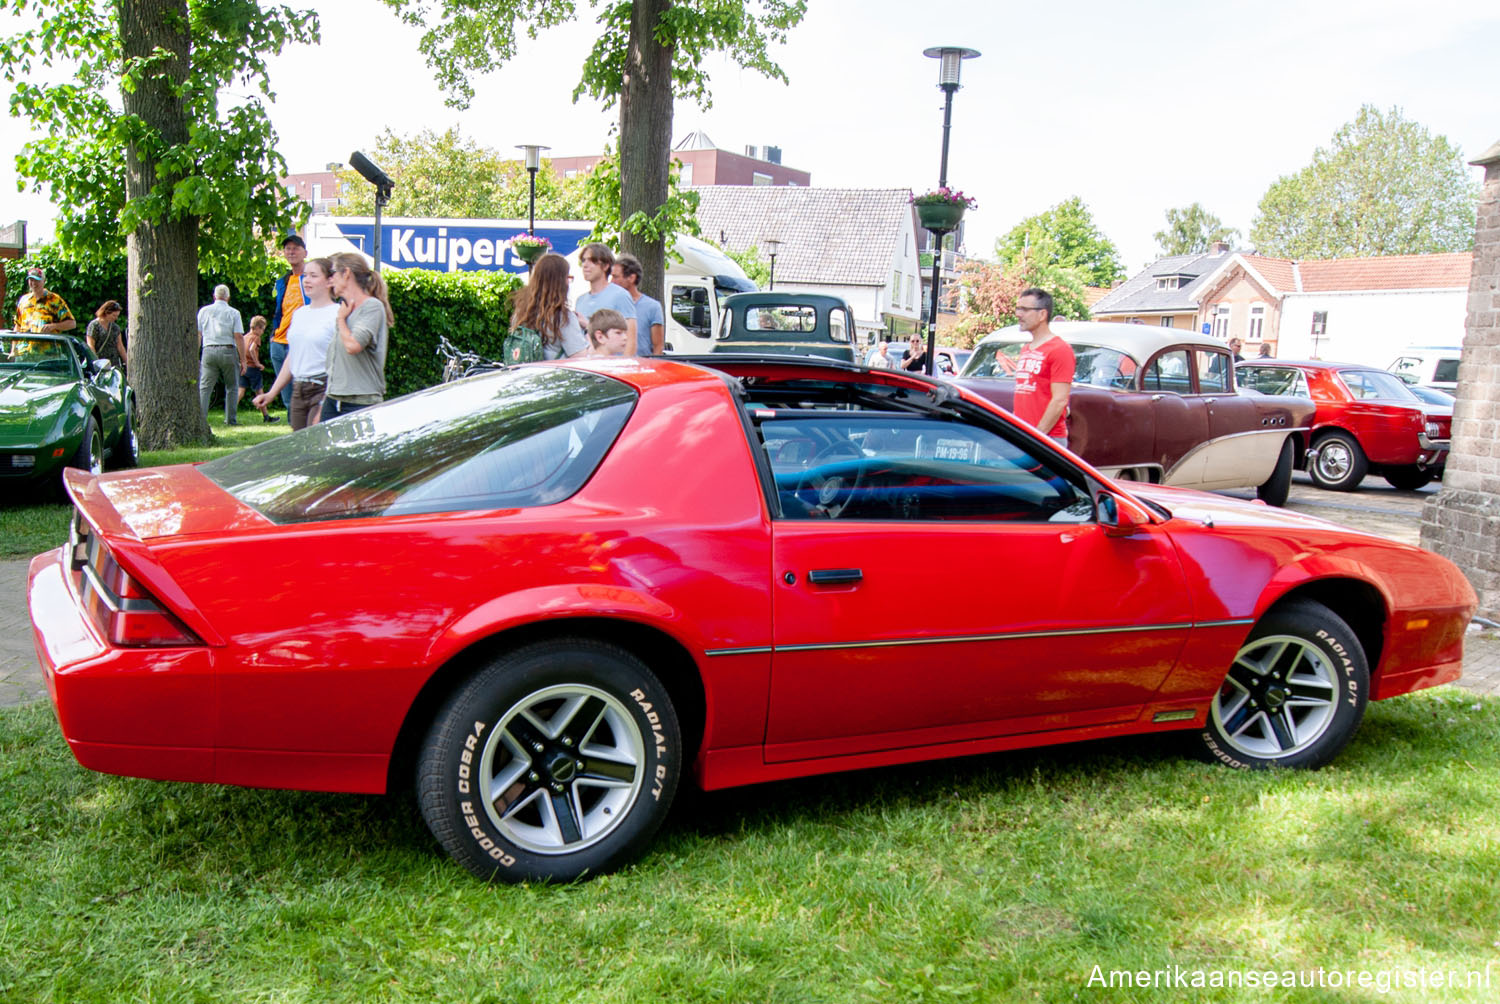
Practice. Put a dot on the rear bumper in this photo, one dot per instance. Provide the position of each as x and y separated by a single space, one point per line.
138 712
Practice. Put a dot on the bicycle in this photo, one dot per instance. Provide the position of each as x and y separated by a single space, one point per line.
459 363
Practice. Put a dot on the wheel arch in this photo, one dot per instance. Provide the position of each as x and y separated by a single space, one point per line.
666 656
1358 603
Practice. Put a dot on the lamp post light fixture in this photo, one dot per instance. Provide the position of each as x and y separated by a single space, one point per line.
533 164
383 188
950 59
772 246
950 64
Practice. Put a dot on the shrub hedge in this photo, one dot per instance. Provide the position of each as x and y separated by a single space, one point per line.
471 308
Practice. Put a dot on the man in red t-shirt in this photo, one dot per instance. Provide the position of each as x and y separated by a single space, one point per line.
1044 371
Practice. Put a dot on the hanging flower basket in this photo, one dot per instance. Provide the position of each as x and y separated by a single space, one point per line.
529 248
942 209
940 217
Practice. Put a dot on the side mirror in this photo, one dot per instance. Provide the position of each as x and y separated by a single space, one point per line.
699 295
1118 515
699 319
99 366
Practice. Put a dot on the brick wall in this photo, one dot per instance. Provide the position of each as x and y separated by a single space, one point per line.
1462 522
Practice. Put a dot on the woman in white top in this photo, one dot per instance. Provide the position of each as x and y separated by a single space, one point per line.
308 338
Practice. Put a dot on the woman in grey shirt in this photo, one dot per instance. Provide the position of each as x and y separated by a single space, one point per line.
356 356
104 335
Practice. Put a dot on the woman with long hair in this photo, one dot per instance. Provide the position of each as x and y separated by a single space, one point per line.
308 337
104 335
356 356
542 306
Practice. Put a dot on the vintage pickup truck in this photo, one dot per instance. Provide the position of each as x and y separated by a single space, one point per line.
798 324
1161 405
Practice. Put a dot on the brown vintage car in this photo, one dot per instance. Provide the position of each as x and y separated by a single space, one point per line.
1161 405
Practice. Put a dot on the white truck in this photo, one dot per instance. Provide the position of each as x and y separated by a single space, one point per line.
698 277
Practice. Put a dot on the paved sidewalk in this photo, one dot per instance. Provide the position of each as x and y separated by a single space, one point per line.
20 676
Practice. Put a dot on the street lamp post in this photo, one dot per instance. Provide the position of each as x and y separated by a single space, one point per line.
533 164
772 246
950 63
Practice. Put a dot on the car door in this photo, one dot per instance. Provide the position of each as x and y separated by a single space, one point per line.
1239 450
1181 415
936 581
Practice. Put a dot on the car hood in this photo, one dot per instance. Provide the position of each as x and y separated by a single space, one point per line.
1224 510
30 402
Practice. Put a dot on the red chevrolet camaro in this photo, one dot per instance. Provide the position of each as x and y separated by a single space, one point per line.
544 596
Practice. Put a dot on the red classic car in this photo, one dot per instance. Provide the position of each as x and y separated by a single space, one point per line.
1160 405
548 595
1368 421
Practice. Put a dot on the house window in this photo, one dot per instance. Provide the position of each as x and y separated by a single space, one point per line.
1166 322
571 172
1168 282
1257 323
757 178
911 296
1221 321
317 193
686 177
896 289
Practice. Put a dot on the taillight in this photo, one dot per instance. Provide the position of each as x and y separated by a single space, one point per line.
127 614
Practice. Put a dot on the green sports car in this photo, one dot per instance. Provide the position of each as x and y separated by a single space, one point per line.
61 406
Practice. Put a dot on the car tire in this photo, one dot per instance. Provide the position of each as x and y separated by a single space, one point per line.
127 451
1340 464
1409 479
1294 694
90 453
556 761
1278 486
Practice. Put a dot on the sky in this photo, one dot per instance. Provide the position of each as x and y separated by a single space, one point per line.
1135 108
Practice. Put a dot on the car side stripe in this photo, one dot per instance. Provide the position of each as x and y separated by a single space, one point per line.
957 639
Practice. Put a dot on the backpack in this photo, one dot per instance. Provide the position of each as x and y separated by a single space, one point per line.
522 345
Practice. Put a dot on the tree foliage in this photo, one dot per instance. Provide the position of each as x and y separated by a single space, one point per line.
449 174
647 52
1067 236
225 174
987 293
1192 230
1383 186
139 151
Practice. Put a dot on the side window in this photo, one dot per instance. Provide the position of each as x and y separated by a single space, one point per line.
1169 371
1213 371
1098 366
913 468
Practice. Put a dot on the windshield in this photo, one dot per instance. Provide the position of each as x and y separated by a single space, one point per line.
994 359
1095 365
525 437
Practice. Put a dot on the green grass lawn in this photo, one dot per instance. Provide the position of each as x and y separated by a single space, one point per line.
35 521
998 878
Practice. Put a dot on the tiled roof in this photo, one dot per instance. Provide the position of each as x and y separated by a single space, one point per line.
1411 271
1279 272
1139 295
838 236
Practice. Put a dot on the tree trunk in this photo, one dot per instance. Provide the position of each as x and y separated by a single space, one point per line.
163 254
646 138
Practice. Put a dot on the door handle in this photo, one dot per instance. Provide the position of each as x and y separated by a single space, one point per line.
834 576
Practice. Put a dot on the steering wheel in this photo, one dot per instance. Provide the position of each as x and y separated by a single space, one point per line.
825 494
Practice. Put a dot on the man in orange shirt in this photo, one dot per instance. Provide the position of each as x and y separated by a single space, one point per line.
289 296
